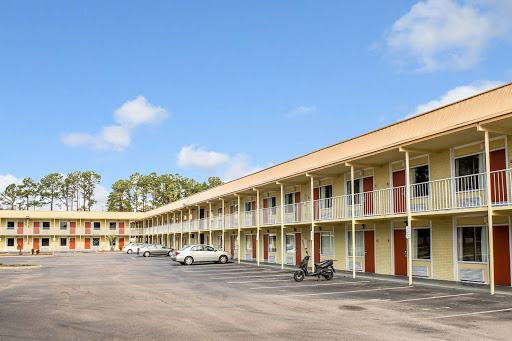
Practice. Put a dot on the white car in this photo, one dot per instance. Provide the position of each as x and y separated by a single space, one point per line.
200 253
131 248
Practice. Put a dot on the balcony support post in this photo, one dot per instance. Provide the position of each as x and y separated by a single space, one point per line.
352 208
409 219
189 226
210 221
312 216
198 224
489 211
223 223
283 242
238 225
257 227
181 227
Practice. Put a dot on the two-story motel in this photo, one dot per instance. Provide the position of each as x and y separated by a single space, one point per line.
443 173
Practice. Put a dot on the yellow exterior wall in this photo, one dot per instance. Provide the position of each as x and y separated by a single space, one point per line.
440 167
442 249
383 248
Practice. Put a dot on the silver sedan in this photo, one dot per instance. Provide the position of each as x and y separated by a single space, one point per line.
200 253
154 250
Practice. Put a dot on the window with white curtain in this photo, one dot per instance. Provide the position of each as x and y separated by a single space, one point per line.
359 243
327 243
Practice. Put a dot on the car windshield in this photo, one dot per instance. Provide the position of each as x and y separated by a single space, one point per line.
185 247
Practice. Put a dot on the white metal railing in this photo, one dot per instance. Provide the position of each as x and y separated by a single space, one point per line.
249 218
296 213
217 223
270 216
231 220
204 224
194 225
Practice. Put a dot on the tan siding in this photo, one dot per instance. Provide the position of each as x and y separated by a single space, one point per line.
442 249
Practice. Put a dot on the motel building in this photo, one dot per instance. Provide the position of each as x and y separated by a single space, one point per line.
442 178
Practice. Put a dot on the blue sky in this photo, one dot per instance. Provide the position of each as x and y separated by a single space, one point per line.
225 88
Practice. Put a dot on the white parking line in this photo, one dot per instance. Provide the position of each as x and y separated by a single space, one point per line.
310 285
232 271
261 281
431 298
475 313
346 292
266 276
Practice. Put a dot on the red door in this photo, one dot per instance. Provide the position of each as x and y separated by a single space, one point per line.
87 227
265 247
254 246
369 251
265 211
121 227
71 243
399 191
19 243
87 243
298 249
316 197
36 229
298 216
232 245
232 216
72 227
35 242
121 243
317 247
400 246
501 255
368 195
498 176
20 227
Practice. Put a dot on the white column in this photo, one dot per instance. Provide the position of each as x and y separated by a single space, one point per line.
353 202
409 220
489 212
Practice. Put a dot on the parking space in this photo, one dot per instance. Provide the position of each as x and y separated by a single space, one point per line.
157 297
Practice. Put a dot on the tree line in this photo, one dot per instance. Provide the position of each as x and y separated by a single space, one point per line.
142 193
75 191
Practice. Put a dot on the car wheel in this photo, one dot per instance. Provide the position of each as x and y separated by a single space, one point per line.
189 260
146 254
169 253
129 251
223 259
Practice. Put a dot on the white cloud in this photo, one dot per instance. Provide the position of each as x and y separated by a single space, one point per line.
447 34
229 167
118 137
301 111
139 111
7 179
101 195
196 157
455 95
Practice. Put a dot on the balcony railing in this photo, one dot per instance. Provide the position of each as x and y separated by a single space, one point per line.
217 223
204 224
270 216
231 220
297 213
248 218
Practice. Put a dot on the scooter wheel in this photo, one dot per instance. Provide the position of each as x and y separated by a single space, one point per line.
298 276
329 275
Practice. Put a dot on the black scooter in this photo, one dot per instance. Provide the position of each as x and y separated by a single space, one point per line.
324 268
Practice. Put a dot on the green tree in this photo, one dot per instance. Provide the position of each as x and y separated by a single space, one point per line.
119 199
49 188
10 196
87 183
28 191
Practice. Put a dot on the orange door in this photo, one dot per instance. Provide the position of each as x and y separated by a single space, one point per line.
35 242
316 198
368 195
265 247
369 251
298 247
254 246
121 227
399 191
121 243
298 215
87 227
265 211
72 227
87 243
498 176
400 247
254 214
317 247
71 243
19 243
20 227
36 228
501 255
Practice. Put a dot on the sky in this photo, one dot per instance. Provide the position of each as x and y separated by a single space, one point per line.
226 88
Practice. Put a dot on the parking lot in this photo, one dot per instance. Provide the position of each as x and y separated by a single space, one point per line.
119 296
